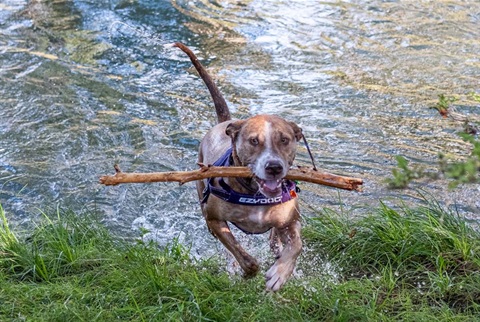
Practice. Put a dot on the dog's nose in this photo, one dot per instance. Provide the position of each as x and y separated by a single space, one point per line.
273 168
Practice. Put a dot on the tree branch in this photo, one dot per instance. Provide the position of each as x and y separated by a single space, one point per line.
301 174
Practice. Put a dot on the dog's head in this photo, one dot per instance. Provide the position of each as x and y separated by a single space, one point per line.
267 144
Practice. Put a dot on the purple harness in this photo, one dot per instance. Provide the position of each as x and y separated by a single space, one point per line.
226 193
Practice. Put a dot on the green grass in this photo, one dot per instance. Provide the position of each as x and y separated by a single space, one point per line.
411 265
426 258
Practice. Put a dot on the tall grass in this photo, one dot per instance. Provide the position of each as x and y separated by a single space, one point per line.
55 248
409 265
430 253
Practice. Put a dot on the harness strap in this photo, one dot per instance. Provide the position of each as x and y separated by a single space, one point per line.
226 193
223 161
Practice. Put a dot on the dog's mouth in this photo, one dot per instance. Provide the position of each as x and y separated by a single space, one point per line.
270 188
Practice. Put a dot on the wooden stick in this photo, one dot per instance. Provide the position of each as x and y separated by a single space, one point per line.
301 174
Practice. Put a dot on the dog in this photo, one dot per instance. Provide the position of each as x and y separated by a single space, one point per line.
267 145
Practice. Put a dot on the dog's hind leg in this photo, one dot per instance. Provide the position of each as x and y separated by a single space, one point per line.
221 230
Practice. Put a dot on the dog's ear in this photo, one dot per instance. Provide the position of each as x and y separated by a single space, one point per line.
297 130
233 129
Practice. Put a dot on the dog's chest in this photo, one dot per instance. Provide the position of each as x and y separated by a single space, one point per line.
258 219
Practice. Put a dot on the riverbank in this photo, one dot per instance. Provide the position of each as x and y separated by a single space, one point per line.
411 265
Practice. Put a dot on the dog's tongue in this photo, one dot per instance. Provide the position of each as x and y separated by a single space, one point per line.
270 185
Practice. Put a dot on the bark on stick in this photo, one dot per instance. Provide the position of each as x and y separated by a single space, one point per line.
301 174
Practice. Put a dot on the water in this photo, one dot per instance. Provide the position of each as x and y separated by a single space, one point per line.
86 84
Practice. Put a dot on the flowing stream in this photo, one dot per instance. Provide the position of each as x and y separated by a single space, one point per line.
86 84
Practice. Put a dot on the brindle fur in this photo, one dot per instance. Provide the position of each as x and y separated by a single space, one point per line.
267 144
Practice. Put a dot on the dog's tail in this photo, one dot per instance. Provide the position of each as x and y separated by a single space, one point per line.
223 114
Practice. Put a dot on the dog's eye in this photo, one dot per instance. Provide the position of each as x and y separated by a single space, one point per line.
254 141
285 141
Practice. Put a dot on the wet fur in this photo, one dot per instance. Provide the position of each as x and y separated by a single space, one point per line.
266 144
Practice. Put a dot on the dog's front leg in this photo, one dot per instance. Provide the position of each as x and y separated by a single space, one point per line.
276 245
289 249
221 230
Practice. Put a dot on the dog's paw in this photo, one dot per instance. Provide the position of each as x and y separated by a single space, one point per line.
250 268
277 275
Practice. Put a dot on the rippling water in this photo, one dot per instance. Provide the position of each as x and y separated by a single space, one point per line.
86 84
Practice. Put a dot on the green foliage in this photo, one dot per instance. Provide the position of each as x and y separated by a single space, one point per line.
53 250
467 171
7 238
424 255
403 174
443 104
463 172
411 266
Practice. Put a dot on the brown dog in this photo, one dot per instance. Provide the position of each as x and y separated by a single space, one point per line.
266 144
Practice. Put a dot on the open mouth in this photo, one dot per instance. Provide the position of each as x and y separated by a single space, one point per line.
270 188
